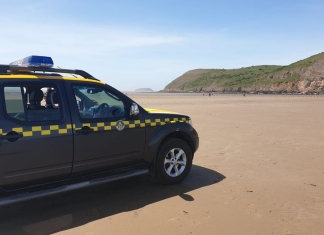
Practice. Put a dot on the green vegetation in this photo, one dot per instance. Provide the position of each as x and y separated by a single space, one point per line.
243 78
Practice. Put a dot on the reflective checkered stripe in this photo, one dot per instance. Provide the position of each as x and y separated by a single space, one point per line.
29 131
160 122
163 121
107 126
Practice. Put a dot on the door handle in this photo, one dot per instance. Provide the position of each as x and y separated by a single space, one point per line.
11 136
84 130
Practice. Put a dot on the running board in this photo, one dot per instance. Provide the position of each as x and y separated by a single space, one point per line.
65 188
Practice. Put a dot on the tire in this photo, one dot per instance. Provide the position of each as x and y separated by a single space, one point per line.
174 161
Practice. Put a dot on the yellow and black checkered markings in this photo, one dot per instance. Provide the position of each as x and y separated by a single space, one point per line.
30 131
107 126
161 122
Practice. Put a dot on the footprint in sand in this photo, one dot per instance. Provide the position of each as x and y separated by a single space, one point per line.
252 210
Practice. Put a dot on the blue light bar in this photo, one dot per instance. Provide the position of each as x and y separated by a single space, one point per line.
34 61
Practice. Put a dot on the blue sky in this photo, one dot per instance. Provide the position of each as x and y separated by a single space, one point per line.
136 44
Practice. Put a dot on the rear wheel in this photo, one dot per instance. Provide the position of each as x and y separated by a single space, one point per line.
173 161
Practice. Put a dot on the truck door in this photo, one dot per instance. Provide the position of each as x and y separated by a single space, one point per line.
106 137
36 142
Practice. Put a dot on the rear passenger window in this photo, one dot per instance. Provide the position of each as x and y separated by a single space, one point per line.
32 102
14 103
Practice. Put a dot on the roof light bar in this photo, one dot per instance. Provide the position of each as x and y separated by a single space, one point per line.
43 64
34 61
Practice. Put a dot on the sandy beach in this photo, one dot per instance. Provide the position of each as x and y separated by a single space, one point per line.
259 170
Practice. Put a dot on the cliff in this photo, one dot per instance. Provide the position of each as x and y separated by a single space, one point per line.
304 76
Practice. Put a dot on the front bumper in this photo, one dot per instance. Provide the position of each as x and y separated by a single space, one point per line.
196 143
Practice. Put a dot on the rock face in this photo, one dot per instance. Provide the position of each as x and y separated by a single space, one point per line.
144 90
311 80
305 76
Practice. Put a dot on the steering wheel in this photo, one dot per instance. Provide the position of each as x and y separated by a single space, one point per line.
102 111
117 111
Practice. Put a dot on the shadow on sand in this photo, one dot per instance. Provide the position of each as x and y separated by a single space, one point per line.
68 210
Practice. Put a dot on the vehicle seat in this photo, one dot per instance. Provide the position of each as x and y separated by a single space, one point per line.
51 99
35 98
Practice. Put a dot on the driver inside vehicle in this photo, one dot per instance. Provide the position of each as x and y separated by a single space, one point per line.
97 103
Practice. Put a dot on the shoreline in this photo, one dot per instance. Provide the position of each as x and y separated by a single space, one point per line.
221 94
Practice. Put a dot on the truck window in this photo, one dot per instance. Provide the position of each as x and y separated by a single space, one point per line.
14 103
32 102
97 102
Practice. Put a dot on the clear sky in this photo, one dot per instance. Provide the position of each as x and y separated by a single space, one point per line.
147 44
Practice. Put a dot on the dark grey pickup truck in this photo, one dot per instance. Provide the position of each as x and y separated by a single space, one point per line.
59 133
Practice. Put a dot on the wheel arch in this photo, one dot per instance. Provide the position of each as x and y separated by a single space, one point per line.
178 135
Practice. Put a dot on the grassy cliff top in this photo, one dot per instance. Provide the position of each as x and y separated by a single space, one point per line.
228 79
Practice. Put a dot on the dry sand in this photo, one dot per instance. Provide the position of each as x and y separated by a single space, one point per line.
259 170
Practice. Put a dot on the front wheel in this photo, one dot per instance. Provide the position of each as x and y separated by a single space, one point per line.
173 161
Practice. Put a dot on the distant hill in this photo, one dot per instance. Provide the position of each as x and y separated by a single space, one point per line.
144 90
303 76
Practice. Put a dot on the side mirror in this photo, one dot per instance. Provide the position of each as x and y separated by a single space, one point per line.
134 110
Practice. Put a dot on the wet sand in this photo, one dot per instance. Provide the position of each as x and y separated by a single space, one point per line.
259 170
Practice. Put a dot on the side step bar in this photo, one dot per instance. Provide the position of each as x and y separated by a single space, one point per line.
65 188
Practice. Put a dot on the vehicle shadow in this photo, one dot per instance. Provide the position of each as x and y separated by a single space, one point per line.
68 210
